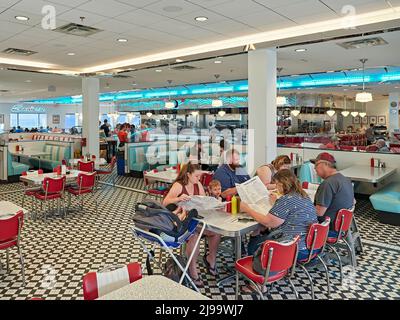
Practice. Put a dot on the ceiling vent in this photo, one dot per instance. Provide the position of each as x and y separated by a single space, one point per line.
363 43
4 91
184 68
19 52
77 30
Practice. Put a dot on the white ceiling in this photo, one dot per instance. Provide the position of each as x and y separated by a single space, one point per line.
154 26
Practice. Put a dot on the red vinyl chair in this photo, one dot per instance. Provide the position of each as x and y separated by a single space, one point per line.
64 162
29 192
278 260
110 169
85 184
158 192
315 242
52 189
343 222
10 237
206 178
86 166
97 284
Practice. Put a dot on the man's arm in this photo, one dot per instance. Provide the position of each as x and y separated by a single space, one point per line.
320 210
229 192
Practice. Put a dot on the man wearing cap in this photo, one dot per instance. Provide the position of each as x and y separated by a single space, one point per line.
335 192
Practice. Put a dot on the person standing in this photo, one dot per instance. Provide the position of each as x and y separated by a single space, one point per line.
106 128
370 134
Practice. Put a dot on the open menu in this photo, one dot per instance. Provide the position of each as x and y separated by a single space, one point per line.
202 203
255 194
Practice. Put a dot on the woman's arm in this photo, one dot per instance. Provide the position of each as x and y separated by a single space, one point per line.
202 192
269 220
173 195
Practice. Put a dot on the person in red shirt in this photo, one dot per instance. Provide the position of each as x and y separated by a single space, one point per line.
123 134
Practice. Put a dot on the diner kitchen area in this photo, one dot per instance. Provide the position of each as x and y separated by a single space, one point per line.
82 149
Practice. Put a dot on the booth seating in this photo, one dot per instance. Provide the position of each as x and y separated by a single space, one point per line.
387 202
15 168
137 157
308 174
57 154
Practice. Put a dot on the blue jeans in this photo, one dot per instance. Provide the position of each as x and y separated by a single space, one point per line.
257 241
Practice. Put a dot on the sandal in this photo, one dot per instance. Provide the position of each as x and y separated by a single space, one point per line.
212 271
198 282
249 289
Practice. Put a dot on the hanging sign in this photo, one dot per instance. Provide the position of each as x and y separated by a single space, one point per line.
27 109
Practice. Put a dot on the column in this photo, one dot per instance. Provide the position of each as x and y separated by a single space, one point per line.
393 121
90 113
262 74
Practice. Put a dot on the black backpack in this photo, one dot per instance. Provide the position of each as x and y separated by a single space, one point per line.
153 216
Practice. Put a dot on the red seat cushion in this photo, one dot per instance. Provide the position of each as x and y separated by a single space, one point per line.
42 196
245 266
331 240
77 192
30 193
103 172
155 191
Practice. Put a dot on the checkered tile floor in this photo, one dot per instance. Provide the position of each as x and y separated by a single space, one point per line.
58 252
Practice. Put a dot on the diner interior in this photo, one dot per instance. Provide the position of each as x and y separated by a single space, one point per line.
106 112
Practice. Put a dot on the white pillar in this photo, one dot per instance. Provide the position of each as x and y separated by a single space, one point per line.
262 74
90 112
393 120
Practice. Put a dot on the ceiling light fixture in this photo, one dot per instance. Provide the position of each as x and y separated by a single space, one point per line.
217 61
301 50
331 112
216 103
364 96
354 114
221 113
345 113
195 113
158 70
22 18
169 104
149 114
122 40
249 47
201 19
295 112
71 53
178 60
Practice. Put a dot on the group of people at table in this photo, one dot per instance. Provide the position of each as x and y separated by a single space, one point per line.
292 210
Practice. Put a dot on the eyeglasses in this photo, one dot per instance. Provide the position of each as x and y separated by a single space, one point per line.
319 162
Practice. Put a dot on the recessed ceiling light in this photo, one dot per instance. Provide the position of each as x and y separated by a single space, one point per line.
217 61
201 19
122 40
330 71
158 70
178 60
301 50
22 18
396 87
71 53
28 81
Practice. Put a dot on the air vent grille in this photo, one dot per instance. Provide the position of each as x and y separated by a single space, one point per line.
363 43
19 52
184 68
77 30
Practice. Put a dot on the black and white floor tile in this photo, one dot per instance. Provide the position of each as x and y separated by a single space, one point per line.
58 252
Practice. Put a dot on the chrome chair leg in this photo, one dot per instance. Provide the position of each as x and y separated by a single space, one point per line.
309 278
328 282
294 289
351 254
340 263
8 260
21 258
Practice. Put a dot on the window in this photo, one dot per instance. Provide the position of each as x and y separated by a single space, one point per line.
70 120
28 120
123 118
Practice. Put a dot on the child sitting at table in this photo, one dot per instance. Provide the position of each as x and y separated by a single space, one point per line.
215 189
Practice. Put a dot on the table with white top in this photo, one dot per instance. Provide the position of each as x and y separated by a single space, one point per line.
37 179
234 226
369 174
98 162
154 288
9 209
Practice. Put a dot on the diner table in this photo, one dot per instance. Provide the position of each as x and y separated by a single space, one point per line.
154 287
9 209
234 226
98 162
363 173
37 179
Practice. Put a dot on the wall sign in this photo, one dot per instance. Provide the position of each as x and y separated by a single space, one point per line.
27 109
56 119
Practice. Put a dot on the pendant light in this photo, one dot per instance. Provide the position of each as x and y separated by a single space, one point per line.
169 104
280 100
331 112
295 112
362 114
364 96
149 114
216 103
221 113
345 113
354 113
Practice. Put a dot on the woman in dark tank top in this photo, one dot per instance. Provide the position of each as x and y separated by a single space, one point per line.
188 184
267 172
